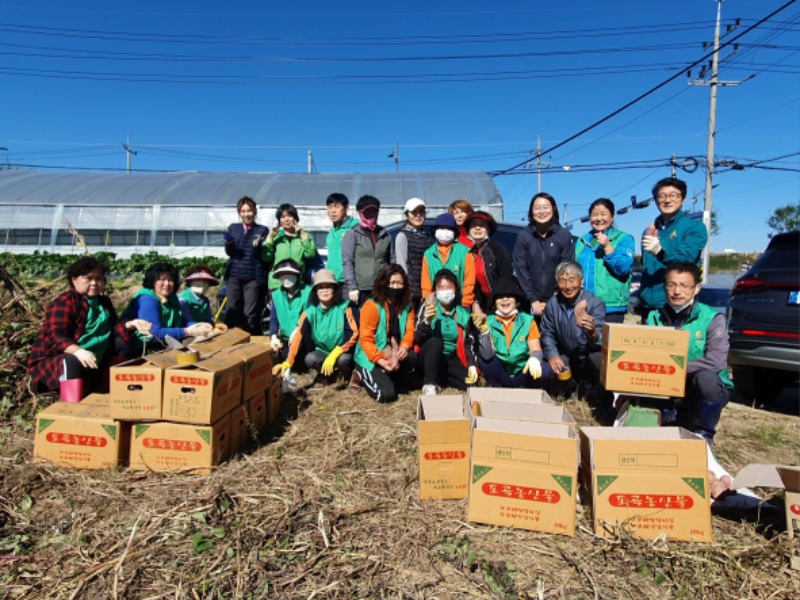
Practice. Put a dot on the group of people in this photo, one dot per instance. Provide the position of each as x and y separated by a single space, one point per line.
433 308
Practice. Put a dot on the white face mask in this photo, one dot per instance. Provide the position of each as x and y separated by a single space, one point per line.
500 313
444 236
199 287
288 281
446 297
677 308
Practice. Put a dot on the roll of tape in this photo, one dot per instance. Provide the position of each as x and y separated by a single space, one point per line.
565 376
189 357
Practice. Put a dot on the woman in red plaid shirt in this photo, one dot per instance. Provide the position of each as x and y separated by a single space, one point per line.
76 340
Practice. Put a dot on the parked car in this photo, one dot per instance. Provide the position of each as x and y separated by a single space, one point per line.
764 323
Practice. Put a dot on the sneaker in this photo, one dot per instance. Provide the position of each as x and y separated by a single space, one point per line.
355 382
429 390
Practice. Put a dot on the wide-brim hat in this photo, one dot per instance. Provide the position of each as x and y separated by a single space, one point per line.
506 287
483 216
201 276
448 221
324 276
286 267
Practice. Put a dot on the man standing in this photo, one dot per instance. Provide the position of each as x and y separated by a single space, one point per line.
672 238
707 383
366 249
337 212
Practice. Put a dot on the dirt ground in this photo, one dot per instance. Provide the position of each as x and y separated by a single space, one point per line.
326 504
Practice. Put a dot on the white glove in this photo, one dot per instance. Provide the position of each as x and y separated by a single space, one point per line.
141 326
287 374
86 358
651 243
353 295
275 343
199 329
533 367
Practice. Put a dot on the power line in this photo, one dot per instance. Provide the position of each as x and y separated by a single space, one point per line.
653 89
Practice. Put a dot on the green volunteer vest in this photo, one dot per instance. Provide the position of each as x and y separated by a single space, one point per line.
333 242
456 261
200 308
516 355
97 333
380 335
327 325
171 314
445 326
289 310
697 326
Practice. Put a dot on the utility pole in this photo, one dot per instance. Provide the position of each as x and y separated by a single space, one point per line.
713 83
564 220
396 156
310 162
539 163
128 152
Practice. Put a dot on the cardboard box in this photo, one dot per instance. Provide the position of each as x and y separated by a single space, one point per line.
179 447
257 409
136 386
648 481
523 475
520 411
257 360
81 435
229 338
274 400
260 339
776 476
644 360
443 436
98 399
201 393
509 395
240 428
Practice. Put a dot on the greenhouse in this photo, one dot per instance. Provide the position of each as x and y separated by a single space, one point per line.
186 213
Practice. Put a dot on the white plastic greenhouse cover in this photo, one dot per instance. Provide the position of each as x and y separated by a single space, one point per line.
157 206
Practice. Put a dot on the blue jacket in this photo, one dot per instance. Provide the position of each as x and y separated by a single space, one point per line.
607 276
682 240
244 257
535 259
560 332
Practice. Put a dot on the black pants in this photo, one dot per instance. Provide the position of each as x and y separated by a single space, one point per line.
383 386
616 317
344 364
439 369
705 398
584 367
246 300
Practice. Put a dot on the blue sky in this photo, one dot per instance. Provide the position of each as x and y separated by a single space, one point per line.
458 85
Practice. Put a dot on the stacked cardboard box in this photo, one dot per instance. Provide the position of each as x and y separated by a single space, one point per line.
163 415
443 432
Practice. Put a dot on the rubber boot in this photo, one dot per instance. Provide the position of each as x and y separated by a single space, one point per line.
71 390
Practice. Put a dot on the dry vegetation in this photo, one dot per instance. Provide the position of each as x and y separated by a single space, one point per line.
325 504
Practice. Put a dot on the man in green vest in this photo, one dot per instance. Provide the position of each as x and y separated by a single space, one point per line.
707 383
337 205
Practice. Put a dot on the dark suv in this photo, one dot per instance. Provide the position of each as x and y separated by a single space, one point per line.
764 324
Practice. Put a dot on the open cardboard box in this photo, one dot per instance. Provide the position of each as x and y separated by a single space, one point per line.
443 435
642 359
509 395
541 413
781 477
220 341
523 475
648 481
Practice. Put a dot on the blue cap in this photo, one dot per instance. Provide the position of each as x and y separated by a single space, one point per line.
446 220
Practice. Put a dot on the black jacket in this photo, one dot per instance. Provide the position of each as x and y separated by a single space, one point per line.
497 263
535 259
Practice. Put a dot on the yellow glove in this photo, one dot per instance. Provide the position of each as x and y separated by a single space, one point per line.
278 370
480 323
329 363
472 375
533 367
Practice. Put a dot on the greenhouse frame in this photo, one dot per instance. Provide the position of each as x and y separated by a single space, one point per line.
185 214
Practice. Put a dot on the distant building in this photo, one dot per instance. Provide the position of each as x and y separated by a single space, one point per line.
185 214
729 251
